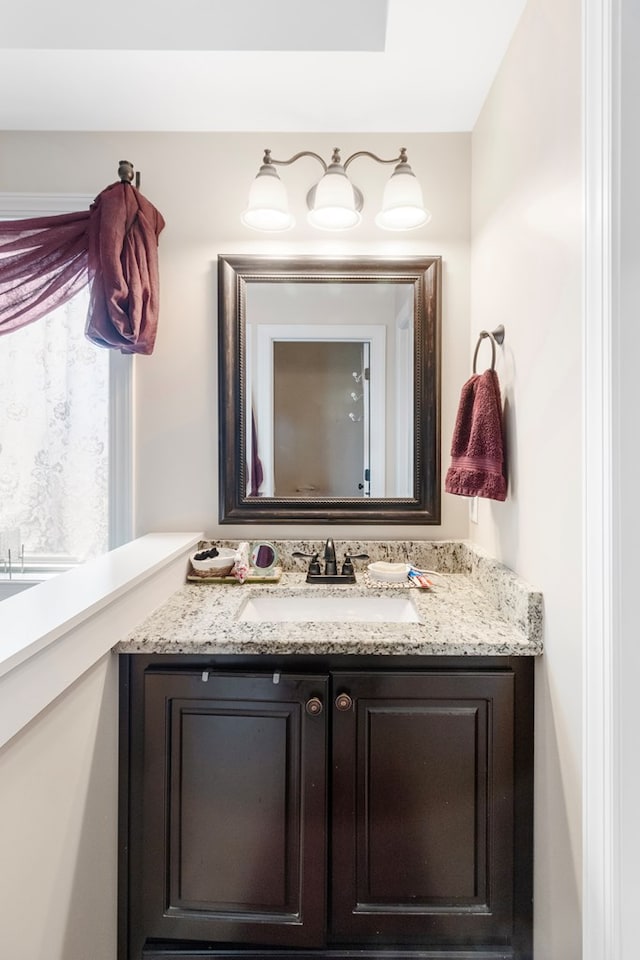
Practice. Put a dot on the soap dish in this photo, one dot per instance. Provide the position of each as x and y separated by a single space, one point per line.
391 572
212 563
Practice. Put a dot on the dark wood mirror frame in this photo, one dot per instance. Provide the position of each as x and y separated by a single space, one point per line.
234 273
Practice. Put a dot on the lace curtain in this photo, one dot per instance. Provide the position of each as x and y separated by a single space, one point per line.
54 383
54 392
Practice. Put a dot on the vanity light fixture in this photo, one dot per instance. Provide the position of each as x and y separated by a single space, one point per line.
334 202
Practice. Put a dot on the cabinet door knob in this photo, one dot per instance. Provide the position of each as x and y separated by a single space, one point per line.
313 707
344 702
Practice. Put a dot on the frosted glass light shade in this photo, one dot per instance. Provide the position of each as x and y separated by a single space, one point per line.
334 204
402 203
268 207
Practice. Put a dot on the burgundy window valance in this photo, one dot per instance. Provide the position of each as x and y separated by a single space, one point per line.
113 246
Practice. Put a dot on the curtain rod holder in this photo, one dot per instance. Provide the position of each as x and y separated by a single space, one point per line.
126 173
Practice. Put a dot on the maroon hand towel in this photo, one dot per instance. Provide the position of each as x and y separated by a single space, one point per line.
477 448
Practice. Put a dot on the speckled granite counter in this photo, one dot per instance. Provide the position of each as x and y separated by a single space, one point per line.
478 608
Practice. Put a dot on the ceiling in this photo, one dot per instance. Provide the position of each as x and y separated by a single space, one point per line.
251 65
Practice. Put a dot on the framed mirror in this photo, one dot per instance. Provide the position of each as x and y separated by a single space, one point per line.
329 389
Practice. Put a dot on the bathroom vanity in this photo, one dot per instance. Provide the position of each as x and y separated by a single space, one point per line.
337 789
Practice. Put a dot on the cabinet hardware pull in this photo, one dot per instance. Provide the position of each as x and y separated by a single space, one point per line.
314 707
344 702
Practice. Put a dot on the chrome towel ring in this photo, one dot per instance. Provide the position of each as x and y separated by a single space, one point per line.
496 336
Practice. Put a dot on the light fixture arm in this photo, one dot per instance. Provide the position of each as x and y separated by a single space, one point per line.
335 158
268 159
367 153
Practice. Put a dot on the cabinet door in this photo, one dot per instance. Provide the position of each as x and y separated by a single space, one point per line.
423 809
232 824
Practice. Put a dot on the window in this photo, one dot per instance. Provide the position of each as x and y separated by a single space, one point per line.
65 433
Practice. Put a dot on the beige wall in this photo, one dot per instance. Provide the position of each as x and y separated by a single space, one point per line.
58 826
527 274
200 183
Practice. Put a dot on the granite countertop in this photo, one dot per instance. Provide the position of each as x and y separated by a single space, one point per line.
477 607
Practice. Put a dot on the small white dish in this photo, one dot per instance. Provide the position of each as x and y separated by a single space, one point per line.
391 572
219 566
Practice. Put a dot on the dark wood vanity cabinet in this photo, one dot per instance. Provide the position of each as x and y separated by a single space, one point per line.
311 809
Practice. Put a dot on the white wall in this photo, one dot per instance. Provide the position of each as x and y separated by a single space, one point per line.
527 274
59 753
58 826
200 183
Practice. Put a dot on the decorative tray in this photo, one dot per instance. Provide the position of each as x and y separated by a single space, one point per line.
254 576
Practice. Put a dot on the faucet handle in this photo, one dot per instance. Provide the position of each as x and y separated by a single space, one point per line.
314 566
347 566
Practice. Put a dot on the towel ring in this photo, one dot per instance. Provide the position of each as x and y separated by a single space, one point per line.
496 336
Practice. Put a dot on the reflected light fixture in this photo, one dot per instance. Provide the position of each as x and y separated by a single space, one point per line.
334 202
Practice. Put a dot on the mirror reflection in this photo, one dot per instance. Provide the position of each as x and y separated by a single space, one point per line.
329 374
329 389
263 556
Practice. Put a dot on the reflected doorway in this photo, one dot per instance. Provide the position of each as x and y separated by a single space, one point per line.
322 418
316 395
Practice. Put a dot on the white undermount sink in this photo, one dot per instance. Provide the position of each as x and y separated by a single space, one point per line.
336 609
